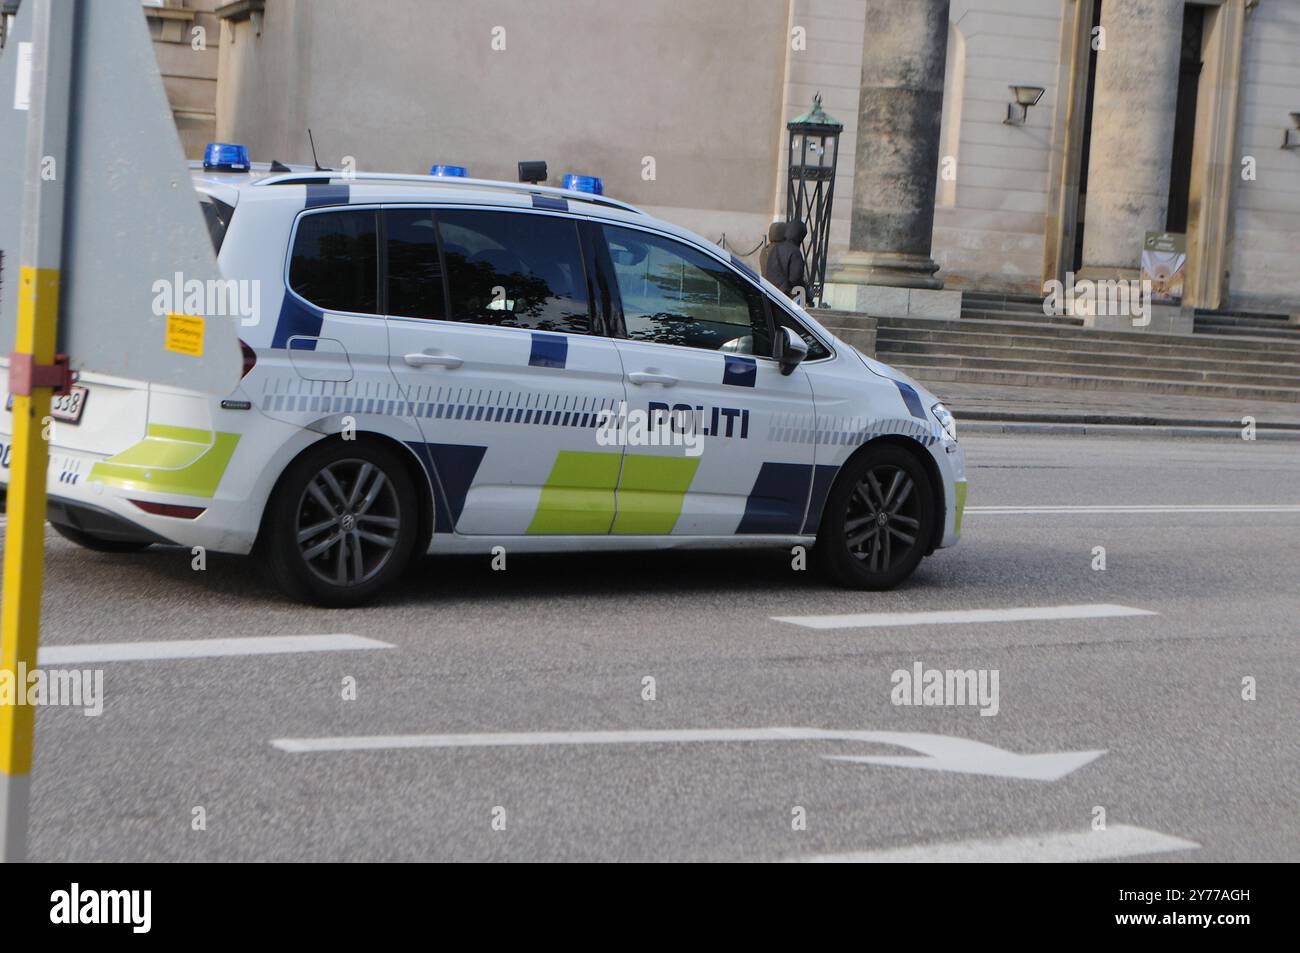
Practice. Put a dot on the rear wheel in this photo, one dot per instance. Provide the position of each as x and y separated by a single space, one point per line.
341 524
98 543
878 521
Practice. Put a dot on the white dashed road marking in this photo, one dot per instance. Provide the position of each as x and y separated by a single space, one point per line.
1154 508
1119 840
203 648
873 620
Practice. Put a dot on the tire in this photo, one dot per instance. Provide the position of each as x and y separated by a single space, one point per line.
341 524
885 488
99 544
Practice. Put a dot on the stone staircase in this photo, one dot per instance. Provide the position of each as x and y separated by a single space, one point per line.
1041 353
993 306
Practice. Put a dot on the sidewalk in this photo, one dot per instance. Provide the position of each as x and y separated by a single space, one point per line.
1007 409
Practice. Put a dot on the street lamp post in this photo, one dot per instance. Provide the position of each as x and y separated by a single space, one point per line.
814 147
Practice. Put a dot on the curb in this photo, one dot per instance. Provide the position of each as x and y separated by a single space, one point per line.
1214 431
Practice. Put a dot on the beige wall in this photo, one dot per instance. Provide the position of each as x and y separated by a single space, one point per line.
1265 251
189 75
590 86
829 63
991 236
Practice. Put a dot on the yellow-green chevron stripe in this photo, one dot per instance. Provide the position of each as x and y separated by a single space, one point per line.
650 493
170 459
584 489
578 497
960 487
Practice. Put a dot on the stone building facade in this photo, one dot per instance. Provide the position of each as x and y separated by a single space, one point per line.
1155 115
186 35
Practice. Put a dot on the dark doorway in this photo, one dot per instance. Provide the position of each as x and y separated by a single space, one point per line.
1086 142
1189 74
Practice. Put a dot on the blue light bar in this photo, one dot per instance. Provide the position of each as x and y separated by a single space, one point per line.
225 157
456 171
585 183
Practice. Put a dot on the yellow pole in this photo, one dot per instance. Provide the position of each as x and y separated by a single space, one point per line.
20 605
35 342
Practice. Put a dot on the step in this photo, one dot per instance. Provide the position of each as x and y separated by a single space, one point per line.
1065 364
1242 315
1286 373
936 375
1143 341
994 299
1031 317
957 342
1010 334
1281 332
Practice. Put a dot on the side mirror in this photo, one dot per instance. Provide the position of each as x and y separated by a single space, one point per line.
790 350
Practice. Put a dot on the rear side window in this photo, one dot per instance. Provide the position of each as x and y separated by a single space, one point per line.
414 272
515 270
335 260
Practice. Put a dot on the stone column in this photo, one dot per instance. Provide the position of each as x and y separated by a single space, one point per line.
904 50
1134 103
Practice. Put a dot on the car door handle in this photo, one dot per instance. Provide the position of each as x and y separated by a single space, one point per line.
425 359
651 377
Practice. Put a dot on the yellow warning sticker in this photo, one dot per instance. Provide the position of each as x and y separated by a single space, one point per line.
185 334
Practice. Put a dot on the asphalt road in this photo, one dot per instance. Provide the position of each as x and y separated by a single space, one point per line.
1188 769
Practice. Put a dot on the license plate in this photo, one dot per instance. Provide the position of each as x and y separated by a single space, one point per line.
66 407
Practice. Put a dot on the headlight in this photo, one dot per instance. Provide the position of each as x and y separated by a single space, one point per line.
946 421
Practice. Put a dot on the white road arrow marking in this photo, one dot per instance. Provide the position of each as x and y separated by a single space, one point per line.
945 753
1118 840
940 752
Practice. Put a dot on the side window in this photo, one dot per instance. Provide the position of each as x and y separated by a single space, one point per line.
335 260
414 271
674 294
816 350
515 270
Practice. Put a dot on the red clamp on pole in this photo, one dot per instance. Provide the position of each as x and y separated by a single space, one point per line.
25 373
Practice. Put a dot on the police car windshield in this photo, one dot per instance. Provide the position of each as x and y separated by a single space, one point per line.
217 214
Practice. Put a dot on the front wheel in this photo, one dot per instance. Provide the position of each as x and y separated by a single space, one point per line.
878 521
341 524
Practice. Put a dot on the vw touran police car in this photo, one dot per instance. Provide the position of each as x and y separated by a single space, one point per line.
447 365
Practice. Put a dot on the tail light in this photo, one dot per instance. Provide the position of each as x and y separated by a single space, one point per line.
170 509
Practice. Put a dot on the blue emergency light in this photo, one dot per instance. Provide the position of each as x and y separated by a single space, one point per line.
455 171
225 157
585 183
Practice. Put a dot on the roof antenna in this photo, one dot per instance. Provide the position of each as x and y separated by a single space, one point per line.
314 160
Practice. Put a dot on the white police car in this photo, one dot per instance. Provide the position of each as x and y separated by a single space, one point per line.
446 364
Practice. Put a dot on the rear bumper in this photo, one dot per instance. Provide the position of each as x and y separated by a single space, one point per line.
91 519
98 522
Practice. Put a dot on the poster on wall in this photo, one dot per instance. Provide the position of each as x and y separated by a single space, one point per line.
1164 263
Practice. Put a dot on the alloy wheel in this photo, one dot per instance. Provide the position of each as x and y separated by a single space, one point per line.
883 518
348 522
